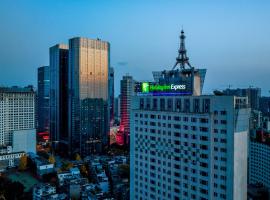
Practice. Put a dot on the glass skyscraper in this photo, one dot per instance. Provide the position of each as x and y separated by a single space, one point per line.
43 99
59 95
89 62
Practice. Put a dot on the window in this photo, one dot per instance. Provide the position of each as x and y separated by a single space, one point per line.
147 103
154 104
203 129
196 105
204 120
141 103
223 121
176 134
203 191
178 105
177 126
193 119
223 141
186 105
176 118
223 112
206 105
185 119
162 104
153 116
204 138
169 104
203 147
223 131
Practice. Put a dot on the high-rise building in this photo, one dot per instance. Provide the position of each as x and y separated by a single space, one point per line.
117 107
189 147
111 95
259 160
59 96
17 123
43 99
264 106
17 112
89 62
127 86
253 95
185 145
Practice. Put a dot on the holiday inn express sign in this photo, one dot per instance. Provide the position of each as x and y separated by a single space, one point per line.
148 88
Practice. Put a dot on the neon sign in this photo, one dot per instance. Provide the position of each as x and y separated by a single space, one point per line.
150 88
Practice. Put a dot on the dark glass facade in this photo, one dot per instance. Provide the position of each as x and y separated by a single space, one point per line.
111 94
92 124
43 99
59 95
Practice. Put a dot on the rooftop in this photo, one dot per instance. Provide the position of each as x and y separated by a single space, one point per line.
17 89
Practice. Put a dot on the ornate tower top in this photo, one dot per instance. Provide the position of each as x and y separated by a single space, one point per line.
182 58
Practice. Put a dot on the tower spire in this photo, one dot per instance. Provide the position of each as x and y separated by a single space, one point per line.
182 58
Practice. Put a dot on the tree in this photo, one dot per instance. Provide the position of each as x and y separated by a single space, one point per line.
124 170
11 190
66 166
50 177
51 159
77 157
83 170
23 163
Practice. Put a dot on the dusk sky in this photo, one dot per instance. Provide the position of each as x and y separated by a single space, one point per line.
229 39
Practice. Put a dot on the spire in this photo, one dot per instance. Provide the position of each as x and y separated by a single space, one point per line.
182 58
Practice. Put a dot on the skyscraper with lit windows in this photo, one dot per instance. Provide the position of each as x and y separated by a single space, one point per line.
127 86
88 72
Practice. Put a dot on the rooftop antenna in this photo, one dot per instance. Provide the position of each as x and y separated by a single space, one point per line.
182 58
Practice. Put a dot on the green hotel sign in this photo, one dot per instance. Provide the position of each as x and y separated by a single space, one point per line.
148 87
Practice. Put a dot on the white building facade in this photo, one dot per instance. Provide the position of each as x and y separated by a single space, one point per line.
17 123
17 112
189 147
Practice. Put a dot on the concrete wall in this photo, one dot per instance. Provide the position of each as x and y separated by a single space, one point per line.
24 140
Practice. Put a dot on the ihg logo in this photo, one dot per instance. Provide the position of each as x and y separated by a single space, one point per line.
145 87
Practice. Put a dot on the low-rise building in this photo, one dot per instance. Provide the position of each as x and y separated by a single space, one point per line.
43 191
42 165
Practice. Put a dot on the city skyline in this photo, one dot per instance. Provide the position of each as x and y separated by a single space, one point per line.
237 30
134 100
